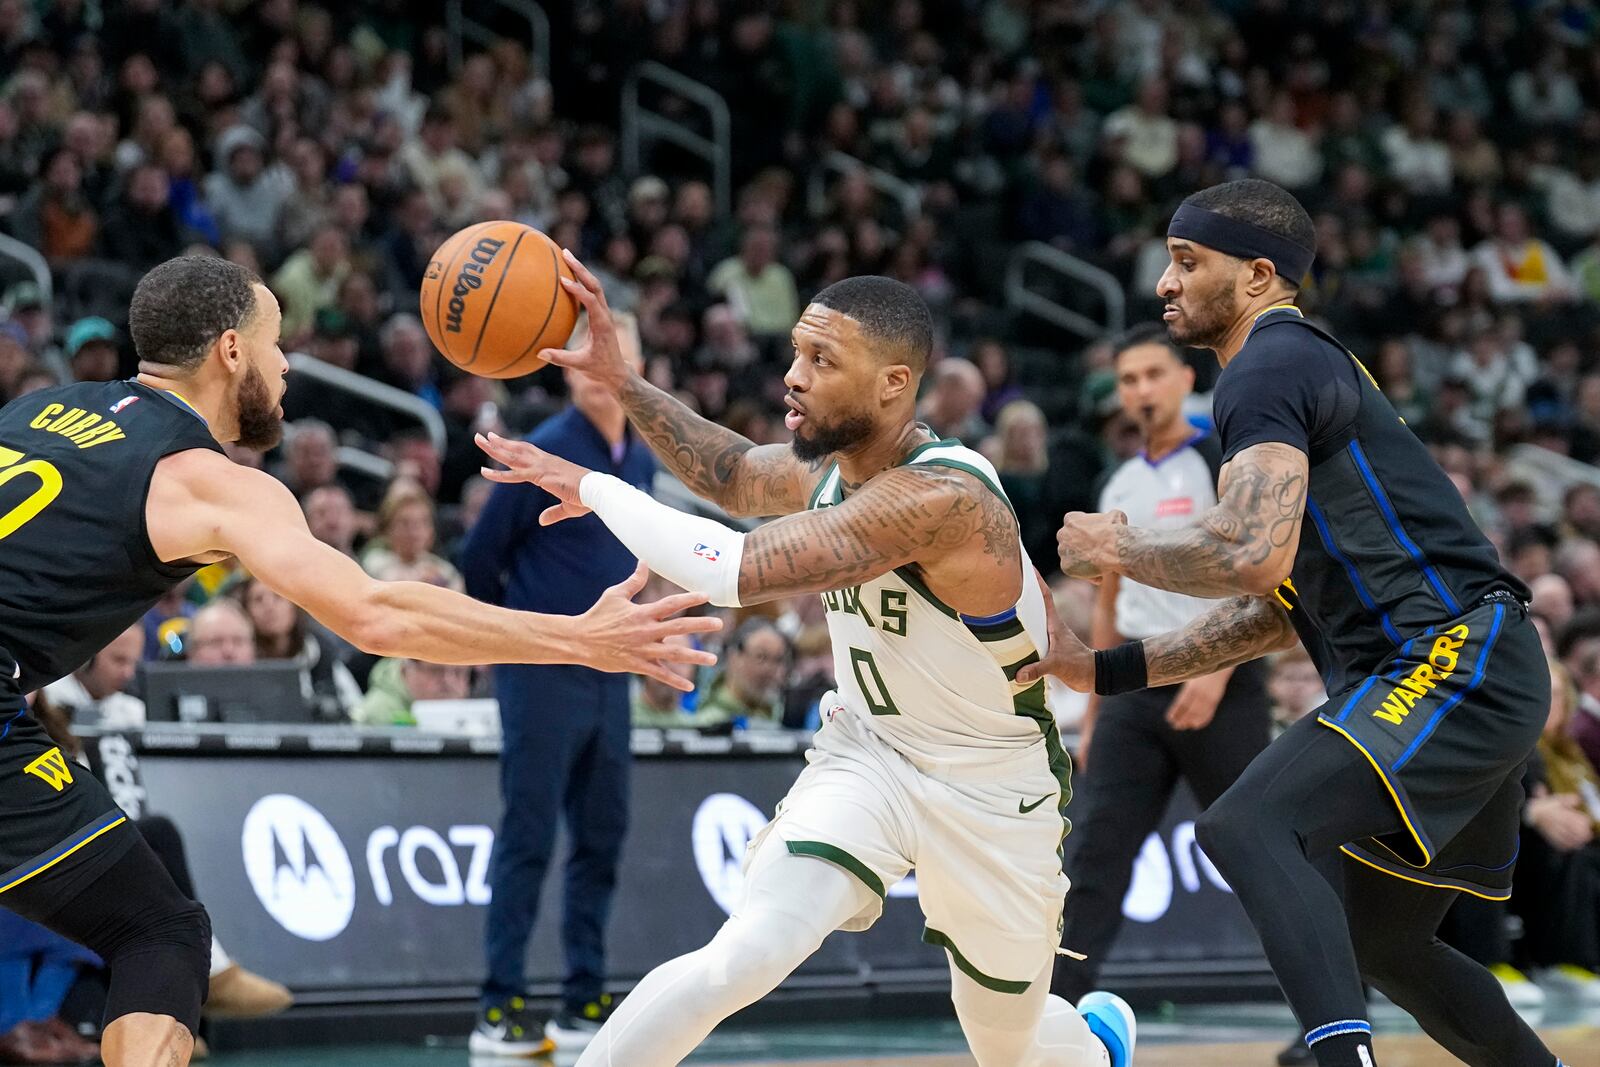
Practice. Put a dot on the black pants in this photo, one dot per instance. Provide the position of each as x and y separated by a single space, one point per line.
1135 763
1307 795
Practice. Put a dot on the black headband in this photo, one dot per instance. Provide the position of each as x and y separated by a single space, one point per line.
1243 239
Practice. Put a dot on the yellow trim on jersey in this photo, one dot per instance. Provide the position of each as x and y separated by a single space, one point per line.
1427 855
1278 307
1418 881
64 855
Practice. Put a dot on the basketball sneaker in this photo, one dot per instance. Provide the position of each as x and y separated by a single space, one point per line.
1111 1020
1520 990
574 1026
509 1030
1579 983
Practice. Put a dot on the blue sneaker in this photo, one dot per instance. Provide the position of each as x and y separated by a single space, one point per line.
1111 1020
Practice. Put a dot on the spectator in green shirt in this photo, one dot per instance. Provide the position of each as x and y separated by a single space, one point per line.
757 286
749 691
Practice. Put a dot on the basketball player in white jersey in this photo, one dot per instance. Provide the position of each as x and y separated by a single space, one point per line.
931 757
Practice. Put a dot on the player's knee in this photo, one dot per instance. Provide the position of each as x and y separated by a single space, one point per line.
179 930
1223 832
759 951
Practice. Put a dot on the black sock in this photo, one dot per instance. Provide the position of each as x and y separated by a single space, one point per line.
1343 1044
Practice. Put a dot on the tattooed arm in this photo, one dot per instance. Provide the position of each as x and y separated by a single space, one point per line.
922 515
1245 544
717 464
1235 631
906 515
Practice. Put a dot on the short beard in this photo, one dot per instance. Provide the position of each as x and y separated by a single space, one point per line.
1208 324
259 425
842 436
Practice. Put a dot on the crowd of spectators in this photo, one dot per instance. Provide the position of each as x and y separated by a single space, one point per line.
1449 152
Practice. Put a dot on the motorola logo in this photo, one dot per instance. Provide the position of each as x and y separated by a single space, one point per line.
298 867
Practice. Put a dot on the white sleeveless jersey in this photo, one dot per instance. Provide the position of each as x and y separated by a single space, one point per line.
933 683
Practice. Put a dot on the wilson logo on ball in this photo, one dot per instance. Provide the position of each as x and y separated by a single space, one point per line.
469 278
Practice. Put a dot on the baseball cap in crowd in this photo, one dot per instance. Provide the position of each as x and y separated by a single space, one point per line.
237 137
87 331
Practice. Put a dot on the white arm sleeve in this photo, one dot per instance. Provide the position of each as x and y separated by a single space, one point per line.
698 554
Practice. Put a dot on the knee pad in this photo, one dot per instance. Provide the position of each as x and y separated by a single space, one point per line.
156 942
163 966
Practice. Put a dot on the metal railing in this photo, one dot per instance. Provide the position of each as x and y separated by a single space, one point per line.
899 190
1019 297
29 257
1551 474
640 124
376 393
460 29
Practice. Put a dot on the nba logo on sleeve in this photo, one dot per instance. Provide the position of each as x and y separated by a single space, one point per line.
124 402
706 552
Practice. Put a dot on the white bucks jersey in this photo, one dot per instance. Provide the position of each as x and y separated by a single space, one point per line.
935 684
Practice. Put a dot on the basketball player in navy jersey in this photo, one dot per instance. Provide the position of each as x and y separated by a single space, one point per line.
111 493
1334 524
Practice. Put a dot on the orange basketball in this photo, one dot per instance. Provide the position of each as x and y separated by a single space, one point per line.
491 300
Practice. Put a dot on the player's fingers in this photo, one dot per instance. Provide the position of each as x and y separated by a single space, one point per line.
629 587
565 357
560 512
585 276
679 654
511 453
671 605
511 477
665 675
686 625
582 294
1119 518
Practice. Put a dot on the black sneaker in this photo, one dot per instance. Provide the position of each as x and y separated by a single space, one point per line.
1296 1052
574 1026
509 1030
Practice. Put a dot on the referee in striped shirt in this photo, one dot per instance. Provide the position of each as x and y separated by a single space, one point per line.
1206 730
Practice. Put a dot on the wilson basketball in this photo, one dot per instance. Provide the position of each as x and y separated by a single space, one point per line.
491 300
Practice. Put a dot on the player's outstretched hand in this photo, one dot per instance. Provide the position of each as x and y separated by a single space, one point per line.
620 636
1068 658
601 355
530 463
1085 541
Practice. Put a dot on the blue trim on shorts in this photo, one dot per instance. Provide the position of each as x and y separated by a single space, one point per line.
1444 709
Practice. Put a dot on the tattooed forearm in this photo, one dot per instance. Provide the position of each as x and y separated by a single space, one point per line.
906 515
1234 632
1244 544
713 461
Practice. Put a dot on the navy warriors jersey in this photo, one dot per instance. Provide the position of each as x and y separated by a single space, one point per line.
1387 548
76 566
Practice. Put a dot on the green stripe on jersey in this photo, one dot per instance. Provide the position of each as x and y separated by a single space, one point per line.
964 965
914 580
839 858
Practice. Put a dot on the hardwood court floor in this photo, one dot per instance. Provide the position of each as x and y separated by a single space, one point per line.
1236 1035
1576 1047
